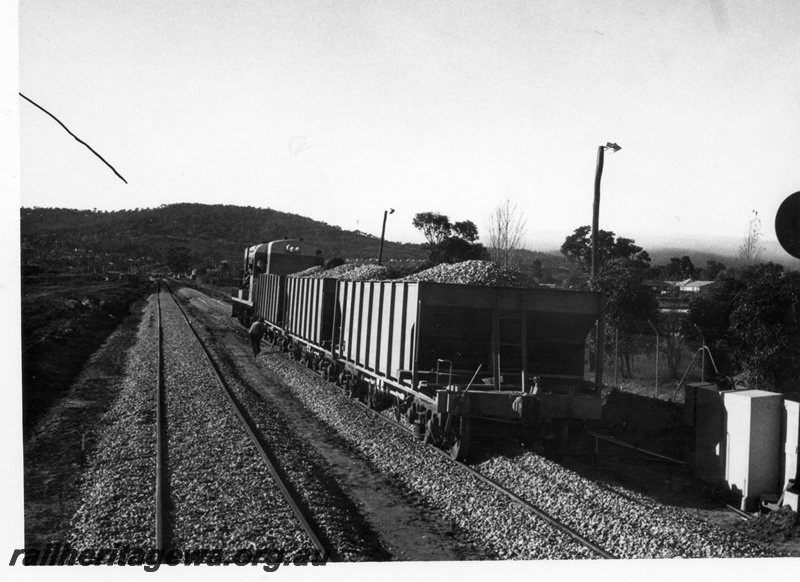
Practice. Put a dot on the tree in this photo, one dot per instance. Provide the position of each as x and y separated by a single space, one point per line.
434 226
448 242
751 250
506 230
673 327
754 312
622 266
612 251
713 268
466 230
178 259
456 249
629 306
679 269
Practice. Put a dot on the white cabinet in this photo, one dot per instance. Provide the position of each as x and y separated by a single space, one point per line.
753 458
791 436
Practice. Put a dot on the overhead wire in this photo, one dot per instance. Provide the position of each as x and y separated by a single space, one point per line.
79 140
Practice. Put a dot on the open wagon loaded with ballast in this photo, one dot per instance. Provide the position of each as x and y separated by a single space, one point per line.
444 355
447 354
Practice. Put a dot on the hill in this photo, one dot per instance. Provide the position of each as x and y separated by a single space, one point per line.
662 255
182 237
179 237
701 254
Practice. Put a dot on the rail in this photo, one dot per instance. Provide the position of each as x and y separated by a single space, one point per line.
161 489
601 437
736 511
538 512
249 427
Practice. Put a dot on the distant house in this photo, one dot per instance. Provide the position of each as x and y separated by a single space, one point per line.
695 286
660 287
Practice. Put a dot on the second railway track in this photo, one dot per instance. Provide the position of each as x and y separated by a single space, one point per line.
512 497
219 487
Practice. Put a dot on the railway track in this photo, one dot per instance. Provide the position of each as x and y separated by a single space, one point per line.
530 507
170 526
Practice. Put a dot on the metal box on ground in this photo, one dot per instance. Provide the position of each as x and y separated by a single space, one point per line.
791 437
752 460
690 400
704 409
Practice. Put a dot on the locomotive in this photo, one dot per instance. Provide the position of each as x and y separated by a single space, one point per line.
445 356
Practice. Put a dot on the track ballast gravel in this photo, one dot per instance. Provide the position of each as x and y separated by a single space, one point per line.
221 494
504 528
118 494
118 501
627 523
623 522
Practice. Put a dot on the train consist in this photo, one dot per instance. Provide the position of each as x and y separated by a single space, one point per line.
442 355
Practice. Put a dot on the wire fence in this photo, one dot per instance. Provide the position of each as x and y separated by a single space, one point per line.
656 364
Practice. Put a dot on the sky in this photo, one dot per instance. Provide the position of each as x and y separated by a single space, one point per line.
341 110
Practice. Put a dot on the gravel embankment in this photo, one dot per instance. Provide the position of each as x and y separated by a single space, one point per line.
629 524
486 516
118 495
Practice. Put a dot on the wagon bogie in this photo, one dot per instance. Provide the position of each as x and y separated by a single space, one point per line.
379 399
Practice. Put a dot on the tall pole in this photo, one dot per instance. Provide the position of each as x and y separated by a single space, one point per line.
596 209
383 233
600 333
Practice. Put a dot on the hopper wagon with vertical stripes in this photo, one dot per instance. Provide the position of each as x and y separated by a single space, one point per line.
447 357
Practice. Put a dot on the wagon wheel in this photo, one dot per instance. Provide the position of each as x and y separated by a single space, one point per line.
527 434
458 438
354 388
433 433
556 444
397 413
